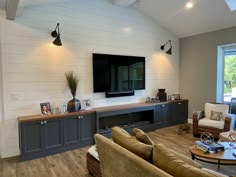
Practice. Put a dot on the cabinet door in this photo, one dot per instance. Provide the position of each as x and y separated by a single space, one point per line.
158 117
71 130
180 113
53 133
87 127
166 114
31 137
163 115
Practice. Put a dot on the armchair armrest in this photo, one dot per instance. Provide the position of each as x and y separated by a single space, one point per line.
229 122
197 115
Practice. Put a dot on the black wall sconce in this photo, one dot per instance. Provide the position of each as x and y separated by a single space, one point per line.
170 49
56 34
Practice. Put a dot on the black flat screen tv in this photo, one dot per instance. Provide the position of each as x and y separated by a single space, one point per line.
118 73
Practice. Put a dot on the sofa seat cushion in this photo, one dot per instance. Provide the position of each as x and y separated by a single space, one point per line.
130 143
211 123
141 136
224 108
213 172
168 162
187 159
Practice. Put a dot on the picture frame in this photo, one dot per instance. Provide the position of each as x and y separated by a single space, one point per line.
87 104
45 108
176 96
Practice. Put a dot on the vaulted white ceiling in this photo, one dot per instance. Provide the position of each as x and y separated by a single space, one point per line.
205 16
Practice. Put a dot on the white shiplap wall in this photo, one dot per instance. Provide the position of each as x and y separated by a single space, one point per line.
33 69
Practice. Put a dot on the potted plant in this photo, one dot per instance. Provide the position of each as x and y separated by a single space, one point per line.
72 82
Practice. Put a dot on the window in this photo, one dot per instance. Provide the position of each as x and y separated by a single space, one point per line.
226 73
229 74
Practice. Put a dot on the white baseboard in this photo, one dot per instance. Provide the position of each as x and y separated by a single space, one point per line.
190 120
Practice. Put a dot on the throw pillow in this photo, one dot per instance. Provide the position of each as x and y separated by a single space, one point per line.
167 161
132 144
141 136
216 116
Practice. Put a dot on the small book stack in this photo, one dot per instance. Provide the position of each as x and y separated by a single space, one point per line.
211 148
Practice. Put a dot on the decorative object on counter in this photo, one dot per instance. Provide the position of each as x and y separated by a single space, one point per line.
183 128
63 108
162 95
87 104
152 100
72 82
45 108
55 110
175 97
169 97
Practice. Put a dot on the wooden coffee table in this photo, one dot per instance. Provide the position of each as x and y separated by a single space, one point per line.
225 157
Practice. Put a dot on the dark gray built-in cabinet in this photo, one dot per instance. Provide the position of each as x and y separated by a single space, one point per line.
45 135
79 129
52 134
171 113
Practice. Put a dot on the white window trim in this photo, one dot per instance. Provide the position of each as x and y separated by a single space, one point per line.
220 70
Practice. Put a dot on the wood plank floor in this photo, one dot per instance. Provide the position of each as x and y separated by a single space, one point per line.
73 163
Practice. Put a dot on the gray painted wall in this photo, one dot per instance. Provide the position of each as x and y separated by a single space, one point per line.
1 95
198 66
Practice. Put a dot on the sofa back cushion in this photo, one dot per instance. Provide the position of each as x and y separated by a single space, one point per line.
130 143
224 108
167 161
141 136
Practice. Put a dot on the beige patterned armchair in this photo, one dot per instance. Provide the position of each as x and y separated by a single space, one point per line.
214 119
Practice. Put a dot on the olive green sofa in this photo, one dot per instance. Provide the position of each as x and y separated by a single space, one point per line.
120 158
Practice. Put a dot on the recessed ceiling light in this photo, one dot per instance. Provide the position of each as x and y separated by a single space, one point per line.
189 5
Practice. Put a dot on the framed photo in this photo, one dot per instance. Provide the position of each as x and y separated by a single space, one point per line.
87 104
45 108
176 96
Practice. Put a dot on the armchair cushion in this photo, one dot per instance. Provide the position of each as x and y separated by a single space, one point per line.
224 108
211 123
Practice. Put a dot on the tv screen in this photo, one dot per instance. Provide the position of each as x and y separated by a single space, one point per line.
118 73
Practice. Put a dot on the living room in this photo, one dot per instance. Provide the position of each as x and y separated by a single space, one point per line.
32 68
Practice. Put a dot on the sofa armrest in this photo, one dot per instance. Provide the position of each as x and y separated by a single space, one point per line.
229 122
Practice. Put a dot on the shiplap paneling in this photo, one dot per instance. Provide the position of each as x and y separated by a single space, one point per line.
33 68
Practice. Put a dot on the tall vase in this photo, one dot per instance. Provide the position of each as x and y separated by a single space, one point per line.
73 105
162 94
